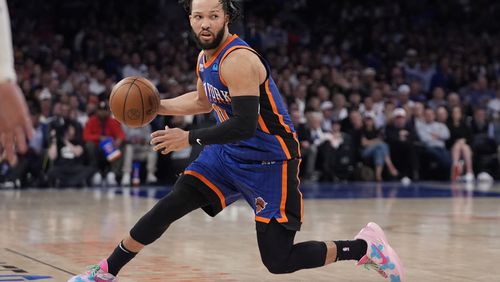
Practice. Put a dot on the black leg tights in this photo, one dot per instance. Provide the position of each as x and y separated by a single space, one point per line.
182 200
280 255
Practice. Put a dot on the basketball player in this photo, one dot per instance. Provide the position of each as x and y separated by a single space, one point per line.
252 153
15 123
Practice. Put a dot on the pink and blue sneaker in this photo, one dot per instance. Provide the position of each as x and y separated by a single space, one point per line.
95 273
379 254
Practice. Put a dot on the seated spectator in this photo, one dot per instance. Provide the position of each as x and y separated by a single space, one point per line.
374 149
339 107
494 104
442 115
438 99
100 127
336 158
403 96
458 144
401 137
482 145
434 135
29 170
137 148
66 152
312 138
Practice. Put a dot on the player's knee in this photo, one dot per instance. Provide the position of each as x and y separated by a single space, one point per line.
276 265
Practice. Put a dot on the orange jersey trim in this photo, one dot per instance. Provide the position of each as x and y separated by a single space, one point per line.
283 192
214 57
263 125
280 117
298 185
262 219
209 184
198 65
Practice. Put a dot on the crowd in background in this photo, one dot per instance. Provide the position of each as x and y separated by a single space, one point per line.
376 90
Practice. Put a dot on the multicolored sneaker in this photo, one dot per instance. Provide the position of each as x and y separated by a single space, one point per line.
95 273
379 254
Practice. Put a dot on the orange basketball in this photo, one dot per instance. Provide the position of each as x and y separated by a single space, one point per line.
134 101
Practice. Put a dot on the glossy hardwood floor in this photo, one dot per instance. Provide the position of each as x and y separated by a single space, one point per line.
54 233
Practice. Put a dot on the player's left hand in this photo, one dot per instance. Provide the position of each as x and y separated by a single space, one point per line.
169 139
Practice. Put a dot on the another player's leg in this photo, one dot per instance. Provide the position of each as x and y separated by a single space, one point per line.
182 200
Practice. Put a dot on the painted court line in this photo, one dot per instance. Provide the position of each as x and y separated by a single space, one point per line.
39 261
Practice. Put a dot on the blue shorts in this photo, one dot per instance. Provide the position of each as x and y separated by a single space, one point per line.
270 188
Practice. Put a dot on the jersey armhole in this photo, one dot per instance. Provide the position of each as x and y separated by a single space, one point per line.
198 64
230 50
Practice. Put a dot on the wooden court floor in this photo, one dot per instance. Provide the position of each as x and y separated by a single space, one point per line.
47 235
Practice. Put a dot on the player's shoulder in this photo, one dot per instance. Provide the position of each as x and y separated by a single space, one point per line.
239 60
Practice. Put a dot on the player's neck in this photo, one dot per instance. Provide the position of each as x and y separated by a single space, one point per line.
209 53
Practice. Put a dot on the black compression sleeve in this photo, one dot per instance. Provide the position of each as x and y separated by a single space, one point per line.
240 126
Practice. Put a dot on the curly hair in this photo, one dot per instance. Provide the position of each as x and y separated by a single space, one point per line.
230 7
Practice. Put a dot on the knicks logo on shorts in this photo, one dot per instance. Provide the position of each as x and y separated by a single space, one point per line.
260 204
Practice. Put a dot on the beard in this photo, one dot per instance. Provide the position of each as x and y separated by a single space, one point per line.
217 39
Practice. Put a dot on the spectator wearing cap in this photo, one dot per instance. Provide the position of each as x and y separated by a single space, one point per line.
403 96
458 144
434 135
100 127
401 137
328 116
374 149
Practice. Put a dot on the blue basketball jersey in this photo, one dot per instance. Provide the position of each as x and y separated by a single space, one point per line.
275 138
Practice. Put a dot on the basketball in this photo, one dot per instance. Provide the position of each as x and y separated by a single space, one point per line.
134 101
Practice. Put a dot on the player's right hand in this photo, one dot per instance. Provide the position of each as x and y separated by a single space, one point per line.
15 122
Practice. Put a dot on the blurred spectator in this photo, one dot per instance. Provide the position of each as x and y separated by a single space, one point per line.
100 127
401 137
404 96
137 148
458 144
336 159
135 68
482 145
66 151
442 114
314 135
434 135
438 99
374 149
339 107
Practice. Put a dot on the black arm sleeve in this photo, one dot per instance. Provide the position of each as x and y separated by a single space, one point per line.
240 126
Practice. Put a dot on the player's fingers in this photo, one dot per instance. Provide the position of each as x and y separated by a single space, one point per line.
20 140
29 131
8 145
158 133
160 146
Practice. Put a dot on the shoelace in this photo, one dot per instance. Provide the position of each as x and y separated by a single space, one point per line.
93 269
371 265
